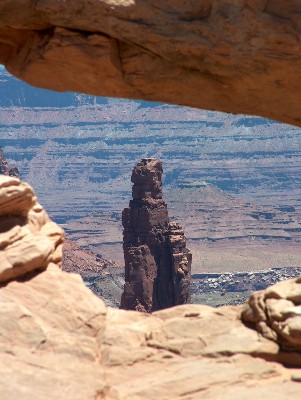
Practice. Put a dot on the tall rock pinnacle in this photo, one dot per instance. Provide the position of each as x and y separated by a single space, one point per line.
157 262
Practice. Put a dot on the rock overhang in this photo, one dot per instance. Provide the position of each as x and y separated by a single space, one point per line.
239 57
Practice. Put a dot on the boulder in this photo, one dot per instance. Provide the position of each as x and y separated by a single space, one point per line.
276 313
29 240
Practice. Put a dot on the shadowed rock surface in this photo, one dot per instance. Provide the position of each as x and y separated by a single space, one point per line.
181 258
235 56
157 263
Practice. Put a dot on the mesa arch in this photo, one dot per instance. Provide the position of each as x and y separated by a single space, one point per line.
52 327
239 56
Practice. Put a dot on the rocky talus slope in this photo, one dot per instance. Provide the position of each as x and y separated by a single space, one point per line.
157 262
102 276
58 340
237 56
5 169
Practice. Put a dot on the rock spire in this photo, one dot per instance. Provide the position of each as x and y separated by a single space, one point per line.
157 262
5 169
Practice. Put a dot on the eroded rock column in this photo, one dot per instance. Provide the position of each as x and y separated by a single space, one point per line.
154 251
181 258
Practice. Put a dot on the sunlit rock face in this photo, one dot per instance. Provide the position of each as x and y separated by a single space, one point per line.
59 340
240 57
157 262
276 313
29 240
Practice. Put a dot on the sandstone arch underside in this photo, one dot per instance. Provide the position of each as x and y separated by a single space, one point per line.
240 56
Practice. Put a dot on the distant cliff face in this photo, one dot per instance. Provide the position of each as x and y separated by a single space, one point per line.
232 180
157 262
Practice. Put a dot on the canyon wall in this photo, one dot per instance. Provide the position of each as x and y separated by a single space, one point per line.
157 262
232 180
234 56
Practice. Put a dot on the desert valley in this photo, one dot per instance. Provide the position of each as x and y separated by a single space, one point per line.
232 181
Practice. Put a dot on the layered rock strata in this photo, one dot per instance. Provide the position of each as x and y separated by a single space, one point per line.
5 169
157 262
29 240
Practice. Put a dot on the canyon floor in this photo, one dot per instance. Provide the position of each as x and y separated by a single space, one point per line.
106 279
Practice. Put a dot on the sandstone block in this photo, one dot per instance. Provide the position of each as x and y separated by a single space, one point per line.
29 241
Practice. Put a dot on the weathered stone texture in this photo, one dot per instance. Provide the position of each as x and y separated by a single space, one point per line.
157 262
29 240
276 312
58 340
181 264
148 274
234 56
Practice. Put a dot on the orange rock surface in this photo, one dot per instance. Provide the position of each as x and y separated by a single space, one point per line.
58 340
235 56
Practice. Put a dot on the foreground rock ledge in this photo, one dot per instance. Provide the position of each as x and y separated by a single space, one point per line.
59 341
240 56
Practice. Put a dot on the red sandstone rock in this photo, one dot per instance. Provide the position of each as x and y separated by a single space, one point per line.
181 264
81 261
157 262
